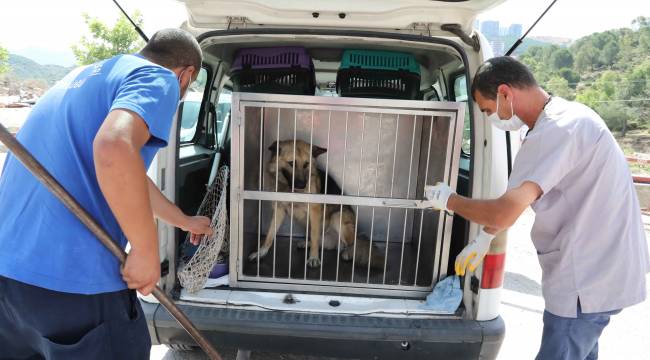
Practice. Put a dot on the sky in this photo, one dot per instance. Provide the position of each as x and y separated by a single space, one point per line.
46 29
569 18
50 27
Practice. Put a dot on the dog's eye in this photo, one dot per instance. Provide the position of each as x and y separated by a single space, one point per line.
290 163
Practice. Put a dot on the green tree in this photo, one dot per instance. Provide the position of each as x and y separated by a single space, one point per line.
559 86
572 77
4 60
609 53
644 33
628 44
590 96
641 22
614 114
608 83
587 57
561 58
105 42
644 40
535 58
636 82
610 73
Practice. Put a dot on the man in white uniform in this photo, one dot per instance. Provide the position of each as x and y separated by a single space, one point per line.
588 230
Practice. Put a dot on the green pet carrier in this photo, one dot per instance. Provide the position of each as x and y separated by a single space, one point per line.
378 74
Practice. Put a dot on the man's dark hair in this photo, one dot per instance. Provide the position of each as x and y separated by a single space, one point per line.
501 70
173 48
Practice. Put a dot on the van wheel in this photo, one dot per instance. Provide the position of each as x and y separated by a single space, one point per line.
180 347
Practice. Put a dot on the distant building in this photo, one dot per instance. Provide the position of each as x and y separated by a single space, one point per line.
490 28
498 47
515 30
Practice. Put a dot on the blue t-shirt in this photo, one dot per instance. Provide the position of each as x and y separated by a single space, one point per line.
41 242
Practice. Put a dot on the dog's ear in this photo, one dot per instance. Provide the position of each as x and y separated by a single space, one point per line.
317 151
274 147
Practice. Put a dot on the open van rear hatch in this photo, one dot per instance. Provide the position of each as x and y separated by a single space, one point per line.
361 14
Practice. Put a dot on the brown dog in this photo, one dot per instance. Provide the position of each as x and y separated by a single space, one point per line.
338 220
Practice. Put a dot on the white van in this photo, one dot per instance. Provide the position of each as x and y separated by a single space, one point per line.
314 315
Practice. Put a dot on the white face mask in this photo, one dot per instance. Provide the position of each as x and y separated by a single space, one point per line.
180 87
512 124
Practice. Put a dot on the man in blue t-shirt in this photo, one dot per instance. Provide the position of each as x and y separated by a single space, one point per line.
62 294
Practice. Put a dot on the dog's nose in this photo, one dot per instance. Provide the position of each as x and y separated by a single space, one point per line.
299 184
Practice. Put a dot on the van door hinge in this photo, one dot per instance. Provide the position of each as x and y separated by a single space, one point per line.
455 29
236 22
421 28
474 284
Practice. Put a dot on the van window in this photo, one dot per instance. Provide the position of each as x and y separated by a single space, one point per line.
460 94
224 104
190 108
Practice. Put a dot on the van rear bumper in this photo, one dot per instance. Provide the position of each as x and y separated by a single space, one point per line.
331 335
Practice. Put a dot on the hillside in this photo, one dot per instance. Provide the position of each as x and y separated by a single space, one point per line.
609 71
63 57
22 68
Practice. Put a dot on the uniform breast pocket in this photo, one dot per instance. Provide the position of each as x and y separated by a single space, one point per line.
549 260
552 213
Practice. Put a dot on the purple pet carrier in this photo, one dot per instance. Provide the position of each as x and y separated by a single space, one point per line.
277 70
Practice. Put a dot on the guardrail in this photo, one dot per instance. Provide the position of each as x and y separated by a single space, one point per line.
639 179
637 160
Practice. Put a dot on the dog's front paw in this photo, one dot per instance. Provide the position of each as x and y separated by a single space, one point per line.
257 254
313 262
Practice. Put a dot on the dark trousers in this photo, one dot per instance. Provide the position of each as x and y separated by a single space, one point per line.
37 323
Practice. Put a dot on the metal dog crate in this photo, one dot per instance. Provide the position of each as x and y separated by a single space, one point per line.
381 153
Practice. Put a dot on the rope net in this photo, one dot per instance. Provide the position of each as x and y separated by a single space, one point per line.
213 249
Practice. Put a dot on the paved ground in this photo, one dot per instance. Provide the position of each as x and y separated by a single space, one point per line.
13 117
521 308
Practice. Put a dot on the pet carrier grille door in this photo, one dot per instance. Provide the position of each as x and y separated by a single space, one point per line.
339 177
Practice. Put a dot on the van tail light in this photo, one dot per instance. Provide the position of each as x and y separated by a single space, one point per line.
493 271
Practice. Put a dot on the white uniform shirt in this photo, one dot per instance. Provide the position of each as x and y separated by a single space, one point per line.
588 230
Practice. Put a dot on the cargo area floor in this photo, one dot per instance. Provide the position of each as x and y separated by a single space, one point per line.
345 268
